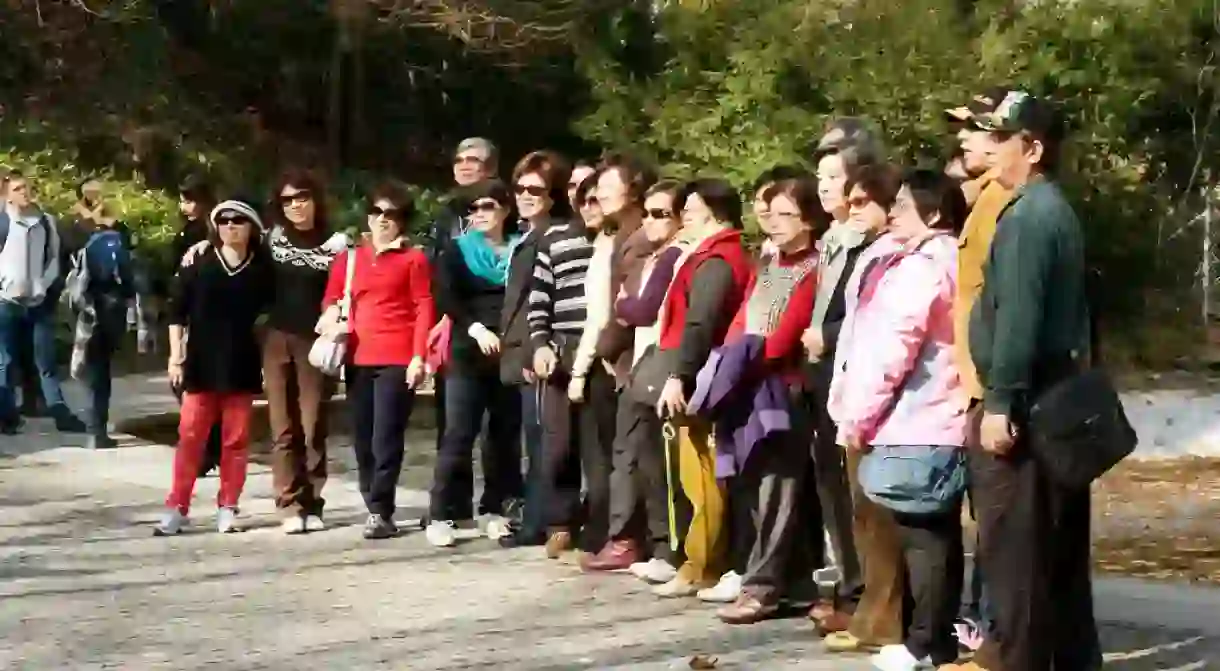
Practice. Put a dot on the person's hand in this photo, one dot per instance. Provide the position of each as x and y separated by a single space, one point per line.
673 399
192 255
996 434
329 323
489 343
576 389
416 372
855 443
545 362
529 376
812 340
175 373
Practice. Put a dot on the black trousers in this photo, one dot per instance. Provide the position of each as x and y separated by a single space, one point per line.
1034 549
596 429
469 395
935 561
639 491
107 338
381 405
533 522
829 473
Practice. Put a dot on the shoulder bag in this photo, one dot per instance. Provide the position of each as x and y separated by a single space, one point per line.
329 352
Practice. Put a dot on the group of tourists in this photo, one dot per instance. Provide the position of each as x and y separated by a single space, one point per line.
725 423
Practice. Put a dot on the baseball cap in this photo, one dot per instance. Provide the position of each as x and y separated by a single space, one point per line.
1019 111
981 103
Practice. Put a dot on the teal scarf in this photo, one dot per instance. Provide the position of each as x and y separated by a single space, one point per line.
483 260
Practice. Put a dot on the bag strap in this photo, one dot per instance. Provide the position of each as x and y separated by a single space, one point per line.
345 304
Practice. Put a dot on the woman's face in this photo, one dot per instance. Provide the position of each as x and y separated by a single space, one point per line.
487 216
299 206
832 182
904 220
788 231
863 212
611 192
696 214
385 220
191 209
533 196
234 232
762 209
579 174
591 212
660 223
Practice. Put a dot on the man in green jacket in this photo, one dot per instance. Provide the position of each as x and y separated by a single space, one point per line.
1028 330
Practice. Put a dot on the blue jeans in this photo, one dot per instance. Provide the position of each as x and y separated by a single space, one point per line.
534 523
15 321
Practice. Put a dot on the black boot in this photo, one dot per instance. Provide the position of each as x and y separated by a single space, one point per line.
65 421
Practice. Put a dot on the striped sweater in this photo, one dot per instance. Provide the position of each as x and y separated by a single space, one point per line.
558 301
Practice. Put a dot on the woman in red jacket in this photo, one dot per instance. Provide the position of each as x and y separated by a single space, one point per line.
707 289
391 311
778 307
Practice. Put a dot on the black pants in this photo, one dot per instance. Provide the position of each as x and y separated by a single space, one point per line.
468 397
108 331
595 435
381 405
533 522
932 551
639 491
829 473
560 456
741 501
1034 549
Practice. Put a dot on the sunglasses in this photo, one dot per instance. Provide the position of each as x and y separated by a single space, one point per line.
298 198
234 221
484 206
467 160
536 191
387 212
657 213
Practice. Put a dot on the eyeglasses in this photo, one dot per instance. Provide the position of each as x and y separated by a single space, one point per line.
484 206
387 212
467 160
298 198
657 213
536 191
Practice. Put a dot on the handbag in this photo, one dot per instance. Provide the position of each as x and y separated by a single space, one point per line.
329 352
914 479
438 344
1078 429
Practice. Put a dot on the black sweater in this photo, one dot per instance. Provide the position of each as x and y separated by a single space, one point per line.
466 299
219 306
302 267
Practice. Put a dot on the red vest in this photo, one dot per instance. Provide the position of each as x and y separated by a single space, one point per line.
725 245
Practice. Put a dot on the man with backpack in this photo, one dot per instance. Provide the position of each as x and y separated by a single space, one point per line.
29 271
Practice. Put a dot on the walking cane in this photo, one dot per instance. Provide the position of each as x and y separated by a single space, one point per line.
670 434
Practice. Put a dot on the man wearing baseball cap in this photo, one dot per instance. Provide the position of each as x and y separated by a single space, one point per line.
1029 329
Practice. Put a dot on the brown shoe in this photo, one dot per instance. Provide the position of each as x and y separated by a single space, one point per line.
614 556
559 542
821 610
834 623
745 610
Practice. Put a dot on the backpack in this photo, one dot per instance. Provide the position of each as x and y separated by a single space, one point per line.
107 257
45 223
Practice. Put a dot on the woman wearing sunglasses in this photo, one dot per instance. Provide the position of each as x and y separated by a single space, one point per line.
390 314
472 272
302 249
217 302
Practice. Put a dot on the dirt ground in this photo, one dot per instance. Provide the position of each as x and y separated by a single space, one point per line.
1160 520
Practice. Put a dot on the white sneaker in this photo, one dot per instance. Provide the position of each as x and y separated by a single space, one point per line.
441 534
654 571
172 523
827 577
896 657
314 523
674 589
293 525
497 527
725 591
226 520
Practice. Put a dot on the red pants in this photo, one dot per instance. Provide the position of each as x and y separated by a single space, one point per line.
200 410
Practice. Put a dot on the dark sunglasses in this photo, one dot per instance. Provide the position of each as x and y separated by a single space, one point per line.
387 212
537 191
485 206
298 197
657 213
233 221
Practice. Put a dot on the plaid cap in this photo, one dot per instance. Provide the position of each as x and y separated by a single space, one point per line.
979 104
1019 112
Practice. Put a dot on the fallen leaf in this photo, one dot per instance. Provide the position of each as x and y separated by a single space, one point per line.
703 662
